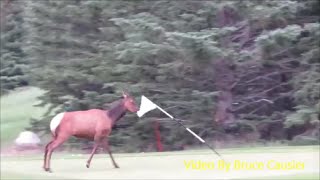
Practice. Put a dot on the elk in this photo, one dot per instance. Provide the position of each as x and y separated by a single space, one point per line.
92 124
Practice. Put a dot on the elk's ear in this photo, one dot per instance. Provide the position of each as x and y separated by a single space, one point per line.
124 94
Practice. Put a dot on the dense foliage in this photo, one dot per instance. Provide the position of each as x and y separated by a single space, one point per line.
231 69
14 67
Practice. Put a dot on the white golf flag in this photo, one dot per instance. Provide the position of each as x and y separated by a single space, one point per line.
145 106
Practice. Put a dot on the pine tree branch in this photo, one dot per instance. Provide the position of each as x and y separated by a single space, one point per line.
266 91
251 103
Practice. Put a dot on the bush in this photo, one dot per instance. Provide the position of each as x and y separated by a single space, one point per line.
301 140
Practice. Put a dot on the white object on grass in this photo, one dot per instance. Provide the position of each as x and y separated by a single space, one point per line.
27 138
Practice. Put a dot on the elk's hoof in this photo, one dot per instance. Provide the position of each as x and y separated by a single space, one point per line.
48 170
116 166
87 165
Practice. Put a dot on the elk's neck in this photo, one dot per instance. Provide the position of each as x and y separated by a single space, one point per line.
117 112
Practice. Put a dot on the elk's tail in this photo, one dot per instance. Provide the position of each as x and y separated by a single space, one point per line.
55 122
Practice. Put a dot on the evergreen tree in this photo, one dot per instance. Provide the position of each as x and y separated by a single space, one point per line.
248 63
14 67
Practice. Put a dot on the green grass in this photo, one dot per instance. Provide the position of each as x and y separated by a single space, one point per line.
303 176
10 175
230 151
16 110
167 165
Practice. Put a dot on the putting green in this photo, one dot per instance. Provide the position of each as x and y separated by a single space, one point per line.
171 165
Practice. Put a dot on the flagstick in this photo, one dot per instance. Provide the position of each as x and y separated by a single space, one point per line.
165 112
194 134
198 137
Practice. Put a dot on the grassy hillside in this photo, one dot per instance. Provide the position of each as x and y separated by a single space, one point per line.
16 110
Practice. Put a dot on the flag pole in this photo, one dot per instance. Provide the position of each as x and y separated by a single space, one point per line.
193 133
147 105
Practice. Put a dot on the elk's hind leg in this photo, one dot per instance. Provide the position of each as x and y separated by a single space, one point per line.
60 139
45 154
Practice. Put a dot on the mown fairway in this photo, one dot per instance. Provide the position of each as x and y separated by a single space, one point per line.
165 165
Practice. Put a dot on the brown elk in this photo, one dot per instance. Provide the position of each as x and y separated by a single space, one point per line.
93 124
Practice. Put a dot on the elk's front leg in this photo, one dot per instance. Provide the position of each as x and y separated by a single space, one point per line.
106 145
97 142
